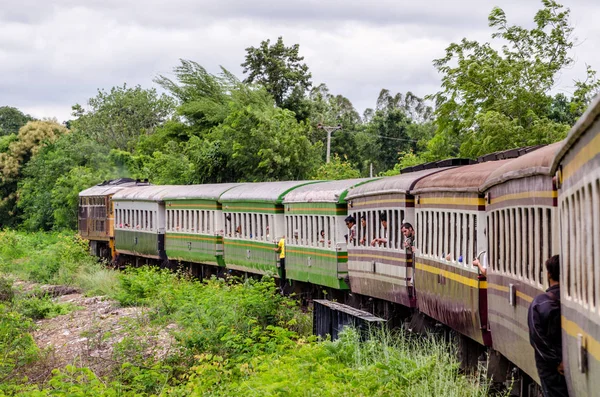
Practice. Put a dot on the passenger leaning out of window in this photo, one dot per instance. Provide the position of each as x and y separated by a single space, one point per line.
383 239
409 237
363 230
351 224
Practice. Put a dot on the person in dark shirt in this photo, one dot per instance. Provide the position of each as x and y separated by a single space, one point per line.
543 319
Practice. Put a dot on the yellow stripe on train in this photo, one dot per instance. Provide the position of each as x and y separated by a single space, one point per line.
471 282
574 330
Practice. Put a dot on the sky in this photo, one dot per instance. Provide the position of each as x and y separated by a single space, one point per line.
56 53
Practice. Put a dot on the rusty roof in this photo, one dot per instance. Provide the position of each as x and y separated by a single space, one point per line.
537 162
393 184
324 192
468 178
107 188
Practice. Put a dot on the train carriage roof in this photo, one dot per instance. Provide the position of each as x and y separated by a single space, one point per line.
198 192
145 193
588 118
325 192
394 184
268 192
468 178
537 162
107 188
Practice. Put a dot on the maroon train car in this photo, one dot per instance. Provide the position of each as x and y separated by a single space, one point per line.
383 270
450 215
522 234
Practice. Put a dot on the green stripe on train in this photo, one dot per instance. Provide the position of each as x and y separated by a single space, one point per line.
316 266
324 209
137 242
252 207
192 205
251 256
199 248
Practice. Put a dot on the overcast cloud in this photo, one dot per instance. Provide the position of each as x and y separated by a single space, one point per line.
54 54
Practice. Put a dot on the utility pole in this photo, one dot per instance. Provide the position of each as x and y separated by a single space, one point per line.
329 129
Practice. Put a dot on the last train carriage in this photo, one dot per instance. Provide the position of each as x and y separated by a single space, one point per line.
577 168
96 216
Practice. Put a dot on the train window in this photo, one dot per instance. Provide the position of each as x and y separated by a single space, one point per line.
524 242
516 235
595 235
490 240
456 251
435 234
589 232
425 238
573 238
579 259
443 247
567 247
311 230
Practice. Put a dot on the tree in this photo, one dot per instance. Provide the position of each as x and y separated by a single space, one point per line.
203 96
336 169
277 68
32 138
12 119
498 99
233 132
49 187
119 117
331 110
401 123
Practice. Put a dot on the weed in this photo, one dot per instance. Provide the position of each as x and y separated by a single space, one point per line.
40 307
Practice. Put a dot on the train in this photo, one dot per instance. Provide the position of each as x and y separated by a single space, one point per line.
516 208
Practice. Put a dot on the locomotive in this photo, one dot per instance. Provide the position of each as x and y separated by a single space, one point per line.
517 208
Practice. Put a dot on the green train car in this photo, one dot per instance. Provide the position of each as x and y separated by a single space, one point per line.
140 222
316 235
194 223
253 224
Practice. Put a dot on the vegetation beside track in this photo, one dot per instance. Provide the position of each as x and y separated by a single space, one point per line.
232 337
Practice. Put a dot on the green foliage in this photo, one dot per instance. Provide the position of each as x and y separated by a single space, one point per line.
234 338
384 365
39 307
277 68
17 347
32 138
495 100
236 133
51 182
58 259
116 119
11 120
336 169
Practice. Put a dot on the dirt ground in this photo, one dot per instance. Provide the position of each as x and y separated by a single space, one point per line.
99 334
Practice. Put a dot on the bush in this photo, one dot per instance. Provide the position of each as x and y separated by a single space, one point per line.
17 347
38 308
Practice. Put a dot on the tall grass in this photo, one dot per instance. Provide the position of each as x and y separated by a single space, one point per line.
235 337
54 258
